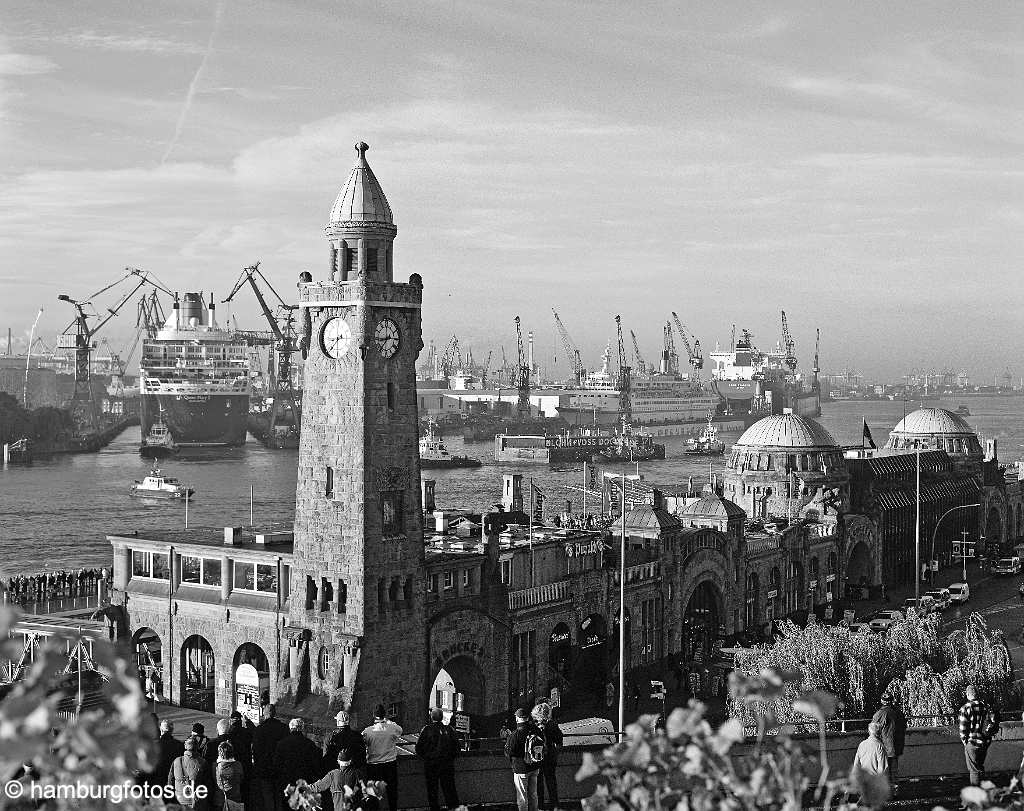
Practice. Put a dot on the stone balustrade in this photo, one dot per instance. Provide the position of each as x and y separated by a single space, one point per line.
548 593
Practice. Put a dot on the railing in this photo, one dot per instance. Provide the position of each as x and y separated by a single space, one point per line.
643 572
762 545
548 593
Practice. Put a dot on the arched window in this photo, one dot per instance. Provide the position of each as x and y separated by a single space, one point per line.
323 662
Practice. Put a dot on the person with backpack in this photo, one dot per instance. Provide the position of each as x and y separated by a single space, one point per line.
978 725
438 746
526 750
345 786
547 782
189 779
892 733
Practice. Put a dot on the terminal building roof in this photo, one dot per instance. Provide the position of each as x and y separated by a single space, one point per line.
786 431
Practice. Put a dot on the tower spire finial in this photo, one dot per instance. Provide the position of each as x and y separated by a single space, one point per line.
361 148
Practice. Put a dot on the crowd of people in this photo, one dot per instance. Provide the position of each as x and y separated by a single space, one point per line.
37 588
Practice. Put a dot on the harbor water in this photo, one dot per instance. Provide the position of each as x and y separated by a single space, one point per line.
56 512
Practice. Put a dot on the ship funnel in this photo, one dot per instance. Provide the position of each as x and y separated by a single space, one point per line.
213 311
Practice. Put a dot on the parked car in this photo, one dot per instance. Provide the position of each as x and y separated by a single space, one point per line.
1007 566
922 605
883 619
859 627
942 598
959 592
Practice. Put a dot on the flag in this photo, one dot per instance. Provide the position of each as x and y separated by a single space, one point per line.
536 504
593 476
867 441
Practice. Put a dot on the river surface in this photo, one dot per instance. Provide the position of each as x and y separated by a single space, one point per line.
57 512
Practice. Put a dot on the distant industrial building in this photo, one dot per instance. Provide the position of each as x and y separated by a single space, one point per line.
42 382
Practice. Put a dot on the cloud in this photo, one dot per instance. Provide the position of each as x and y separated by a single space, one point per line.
17 64
127 44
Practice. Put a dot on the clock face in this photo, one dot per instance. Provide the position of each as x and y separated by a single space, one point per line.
335 338
386 337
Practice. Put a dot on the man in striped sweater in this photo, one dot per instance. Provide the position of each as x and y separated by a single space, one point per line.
978 724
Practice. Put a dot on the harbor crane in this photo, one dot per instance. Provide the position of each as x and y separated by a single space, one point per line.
523 378
817 367
486 370
641 364
696 359
451 354
285 343
625 387
79 335
789 344
671 357
570 349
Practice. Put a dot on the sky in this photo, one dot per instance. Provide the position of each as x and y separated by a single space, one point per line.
859 165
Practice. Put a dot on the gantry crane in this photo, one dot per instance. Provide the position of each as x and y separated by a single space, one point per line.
523 378
285 342
79 334
788 344
641 364
696 359
570 349
669 353
625 383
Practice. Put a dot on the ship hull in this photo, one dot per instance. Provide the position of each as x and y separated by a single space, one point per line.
198 421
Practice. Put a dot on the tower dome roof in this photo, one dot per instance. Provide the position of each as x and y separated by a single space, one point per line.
933 421
712 505
786 431
362 199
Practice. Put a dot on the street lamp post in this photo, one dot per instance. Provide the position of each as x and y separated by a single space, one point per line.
935 532
622 612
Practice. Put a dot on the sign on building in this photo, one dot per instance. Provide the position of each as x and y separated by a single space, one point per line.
658 690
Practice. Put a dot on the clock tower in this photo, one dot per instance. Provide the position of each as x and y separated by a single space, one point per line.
356 629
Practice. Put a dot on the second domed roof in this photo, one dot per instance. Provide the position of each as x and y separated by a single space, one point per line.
933 421
786 431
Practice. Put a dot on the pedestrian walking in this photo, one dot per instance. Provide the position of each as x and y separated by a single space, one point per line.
438 746
525 750
265 739
978 725
344 737
202 742
871 757
892 724
228 793
296 757
190 779
382 753
169 749
547 781
344 779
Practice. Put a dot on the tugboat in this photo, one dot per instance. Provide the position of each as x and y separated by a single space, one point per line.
963 411
433 453
158 443
157 485
707 444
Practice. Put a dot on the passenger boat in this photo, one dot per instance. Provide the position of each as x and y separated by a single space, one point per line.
434 454
627 446
157 485
707 444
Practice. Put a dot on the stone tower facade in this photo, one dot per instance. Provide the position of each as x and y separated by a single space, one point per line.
356 628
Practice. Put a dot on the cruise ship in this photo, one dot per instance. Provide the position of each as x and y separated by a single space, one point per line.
196 375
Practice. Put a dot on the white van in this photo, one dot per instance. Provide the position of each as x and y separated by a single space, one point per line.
588 732
1007 566
959 593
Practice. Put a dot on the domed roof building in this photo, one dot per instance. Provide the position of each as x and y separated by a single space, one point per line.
936 429
781 464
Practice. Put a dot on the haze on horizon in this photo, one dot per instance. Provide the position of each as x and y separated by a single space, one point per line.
858 165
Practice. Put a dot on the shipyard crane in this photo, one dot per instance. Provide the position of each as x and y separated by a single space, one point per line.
449 357
789 344
641 364
625 383
570 349
523 377
670 356
285 342
696 359
817 367
486 369
79 335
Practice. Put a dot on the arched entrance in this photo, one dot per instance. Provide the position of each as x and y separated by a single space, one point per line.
459 687
560 652
753 600
859 568
994 528
592 664
148 658
251 672
701 621
197 674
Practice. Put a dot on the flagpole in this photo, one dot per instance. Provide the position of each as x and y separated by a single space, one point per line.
622 612
530 531
864 431
917 537
585 483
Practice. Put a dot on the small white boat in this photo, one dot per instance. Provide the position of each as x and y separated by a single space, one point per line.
707 444
157 485
434 454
